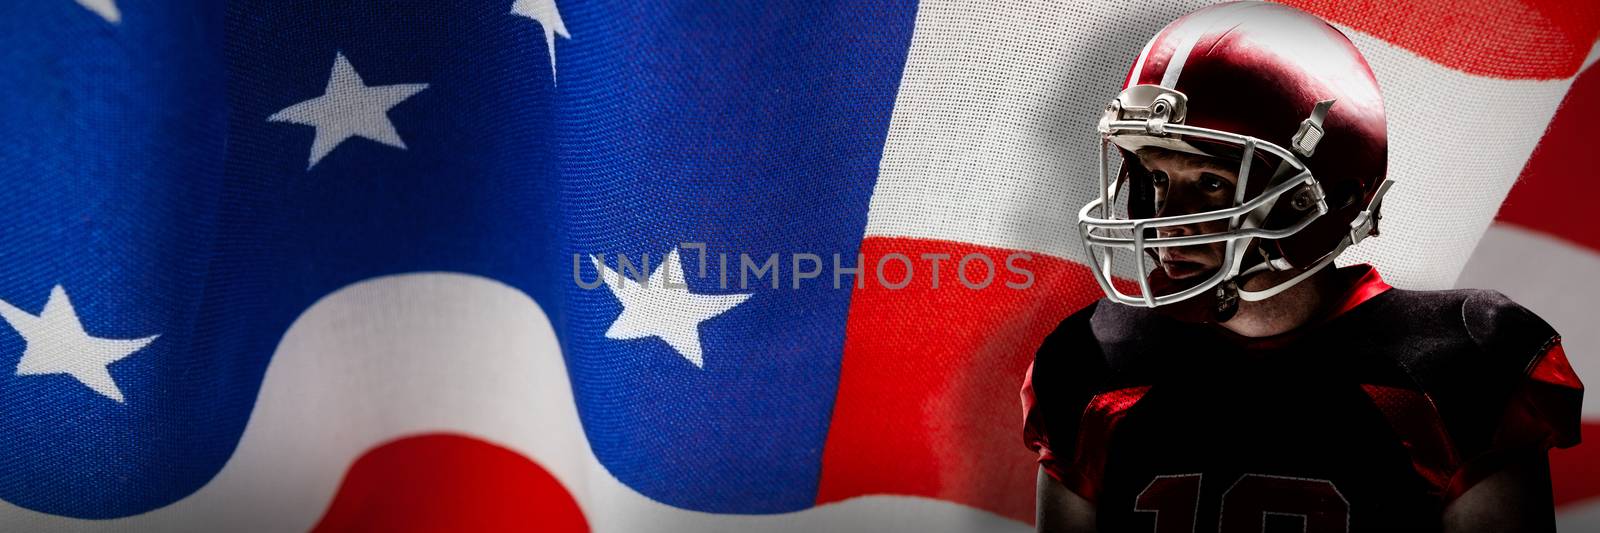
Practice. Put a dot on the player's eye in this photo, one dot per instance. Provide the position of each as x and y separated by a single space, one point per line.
1158 178
1212 183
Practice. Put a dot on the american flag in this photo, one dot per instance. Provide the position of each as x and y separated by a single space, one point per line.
291 265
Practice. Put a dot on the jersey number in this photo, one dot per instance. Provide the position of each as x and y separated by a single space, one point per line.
1246 505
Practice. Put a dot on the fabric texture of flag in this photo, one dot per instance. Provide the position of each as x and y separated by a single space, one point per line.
359 265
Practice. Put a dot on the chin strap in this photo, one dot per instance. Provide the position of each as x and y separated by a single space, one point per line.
1364 225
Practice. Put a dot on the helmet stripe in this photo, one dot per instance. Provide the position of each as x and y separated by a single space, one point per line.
1138 65
1180 55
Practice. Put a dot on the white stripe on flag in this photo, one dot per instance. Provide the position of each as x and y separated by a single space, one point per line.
1583 518
1594 55
427 353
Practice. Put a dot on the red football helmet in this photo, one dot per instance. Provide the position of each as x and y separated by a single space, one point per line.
1274 88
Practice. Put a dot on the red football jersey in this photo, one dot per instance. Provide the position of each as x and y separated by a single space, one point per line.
1370 419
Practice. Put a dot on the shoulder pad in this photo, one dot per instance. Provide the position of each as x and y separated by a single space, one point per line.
1504 330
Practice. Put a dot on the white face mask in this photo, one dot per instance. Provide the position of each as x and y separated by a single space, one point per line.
1151 116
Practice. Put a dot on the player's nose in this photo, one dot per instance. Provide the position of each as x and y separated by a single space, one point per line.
1176 231
1176 208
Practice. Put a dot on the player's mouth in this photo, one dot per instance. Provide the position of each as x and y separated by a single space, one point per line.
1179 267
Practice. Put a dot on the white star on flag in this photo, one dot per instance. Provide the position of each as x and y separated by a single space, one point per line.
107 9
349 108
657 309
57 344
545 12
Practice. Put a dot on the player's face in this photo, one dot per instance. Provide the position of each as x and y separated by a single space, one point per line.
1185 184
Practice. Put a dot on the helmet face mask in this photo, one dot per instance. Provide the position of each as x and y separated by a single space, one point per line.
1277 92
1149 116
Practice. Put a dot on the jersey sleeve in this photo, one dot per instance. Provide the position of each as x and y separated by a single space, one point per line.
1059 384
1541 396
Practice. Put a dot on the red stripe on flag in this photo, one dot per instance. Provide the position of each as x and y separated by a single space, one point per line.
1559 185
1575 471
450 483
1526 39
928 390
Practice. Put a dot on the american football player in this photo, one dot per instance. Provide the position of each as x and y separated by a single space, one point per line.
1234 379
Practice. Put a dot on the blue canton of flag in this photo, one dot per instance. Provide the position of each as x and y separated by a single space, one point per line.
196 174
